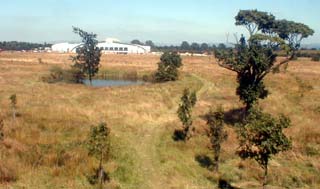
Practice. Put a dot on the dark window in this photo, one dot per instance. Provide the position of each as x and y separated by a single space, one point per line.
126 49
116 48
106 48
120 49
111 49
101 48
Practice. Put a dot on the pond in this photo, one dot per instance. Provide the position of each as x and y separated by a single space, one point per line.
111 83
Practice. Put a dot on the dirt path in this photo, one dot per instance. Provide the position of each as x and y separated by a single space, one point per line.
152 132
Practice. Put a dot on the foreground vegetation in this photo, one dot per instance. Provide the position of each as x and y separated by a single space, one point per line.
45 146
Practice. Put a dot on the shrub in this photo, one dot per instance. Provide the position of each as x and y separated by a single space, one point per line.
57 74
261 136
168 67
217 134
99 146
316 57
188 101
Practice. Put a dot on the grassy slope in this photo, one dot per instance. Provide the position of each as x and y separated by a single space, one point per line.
45 144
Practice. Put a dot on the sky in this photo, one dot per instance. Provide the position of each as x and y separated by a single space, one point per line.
162 21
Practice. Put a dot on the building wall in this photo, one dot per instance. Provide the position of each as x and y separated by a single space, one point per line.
106 47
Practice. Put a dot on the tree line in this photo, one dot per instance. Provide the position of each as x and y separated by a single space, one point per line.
19 46
185 46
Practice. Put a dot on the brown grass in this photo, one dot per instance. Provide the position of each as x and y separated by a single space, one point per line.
45 146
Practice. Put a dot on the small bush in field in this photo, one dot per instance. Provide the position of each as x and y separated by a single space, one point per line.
188 101
99 146
1 130
217 134
168 67
13 102
316 57
261 137
57 74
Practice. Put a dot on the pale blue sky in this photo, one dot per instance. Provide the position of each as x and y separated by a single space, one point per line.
163 21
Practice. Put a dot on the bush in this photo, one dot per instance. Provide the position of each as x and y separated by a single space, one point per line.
168 67
57 74
316 57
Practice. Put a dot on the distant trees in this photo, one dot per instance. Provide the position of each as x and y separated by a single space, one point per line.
195 46
222 46
19 46
88 55
254 58
217 134
150 43
99 146
204 47
136 42
187 102
185 46
261 136
168 67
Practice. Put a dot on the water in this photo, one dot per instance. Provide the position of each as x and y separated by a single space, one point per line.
111 83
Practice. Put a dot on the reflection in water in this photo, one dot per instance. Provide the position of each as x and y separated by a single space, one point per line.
110 83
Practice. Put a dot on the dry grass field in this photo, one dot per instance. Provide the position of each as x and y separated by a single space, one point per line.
45 146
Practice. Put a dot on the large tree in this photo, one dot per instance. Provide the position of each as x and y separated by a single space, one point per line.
88 54
254 58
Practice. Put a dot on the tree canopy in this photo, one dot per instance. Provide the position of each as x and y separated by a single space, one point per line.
254 58
168 67
88 54
261 136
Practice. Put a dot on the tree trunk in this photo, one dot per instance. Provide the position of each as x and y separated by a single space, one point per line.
265 178
216 164
14 113
100 171
90 79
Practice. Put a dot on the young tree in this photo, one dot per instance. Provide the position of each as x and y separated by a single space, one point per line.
13 101
253 59
188 101
88 54
99 146
261 136
168 67
1 129
215 121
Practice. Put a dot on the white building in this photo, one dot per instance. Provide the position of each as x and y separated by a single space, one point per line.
64 47
111 45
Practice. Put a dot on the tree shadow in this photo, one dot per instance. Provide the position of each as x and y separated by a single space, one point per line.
204 161
179 135
234 116
223 184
